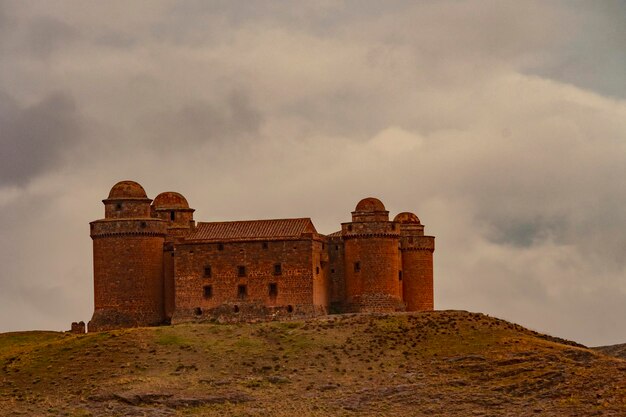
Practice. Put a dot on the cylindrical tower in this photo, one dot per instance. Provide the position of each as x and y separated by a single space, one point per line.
417 263
127 261
372 259
172 208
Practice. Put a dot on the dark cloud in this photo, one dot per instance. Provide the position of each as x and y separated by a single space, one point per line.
592 56
495 123
46 35
34 138
200 121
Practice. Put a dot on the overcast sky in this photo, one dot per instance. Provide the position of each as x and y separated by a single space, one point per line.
502 125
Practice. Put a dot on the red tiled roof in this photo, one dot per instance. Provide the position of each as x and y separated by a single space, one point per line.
336 234
252 230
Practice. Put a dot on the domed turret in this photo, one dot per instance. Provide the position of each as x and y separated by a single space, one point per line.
370 209
372 259
407 218
127 261
417 263
127 190
173 208
370 204
170 200
127 200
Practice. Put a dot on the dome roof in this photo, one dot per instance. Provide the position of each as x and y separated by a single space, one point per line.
127 189
370 204
406 217
170 200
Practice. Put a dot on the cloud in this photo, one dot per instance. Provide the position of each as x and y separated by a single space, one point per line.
485 120
34 138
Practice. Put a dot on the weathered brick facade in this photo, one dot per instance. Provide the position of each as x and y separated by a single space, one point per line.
154 265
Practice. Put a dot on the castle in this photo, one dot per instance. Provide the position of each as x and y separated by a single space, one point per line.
154 265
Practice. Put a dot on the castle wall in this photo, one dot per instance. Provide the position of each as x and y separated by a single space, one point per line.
128 279
126 208
337 282
319 270
153 264
169 292
373 285
293 293
417 261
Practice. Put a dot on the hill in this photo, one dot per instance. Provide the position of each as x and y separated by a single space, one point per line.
446 363
619 351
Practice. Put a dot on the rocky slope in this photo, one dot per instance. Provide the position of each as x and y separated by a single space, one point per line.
445 363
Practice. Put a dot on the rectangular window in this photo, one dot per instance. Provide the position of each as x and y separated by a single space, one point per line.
242 292
357 267
220 246
172 215
241 271
400 275
317 270
207 271
265 245
332 271
278 269
208 291
273 289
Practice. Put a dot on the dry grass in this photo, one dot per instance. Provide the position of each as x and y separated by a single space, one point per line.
439 363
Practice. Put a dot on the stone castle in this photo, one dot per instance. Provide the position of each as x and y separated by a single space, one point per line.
154 265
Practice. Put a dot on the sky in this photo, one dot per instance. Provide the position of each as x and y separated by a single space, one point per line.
501 124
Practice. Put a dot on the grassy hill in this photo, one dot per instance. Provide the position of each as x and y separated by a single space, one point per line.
447 363
618 351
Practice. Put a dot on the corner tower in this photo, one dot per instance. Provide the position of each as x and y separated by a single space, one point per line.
173 209
417 263
372 259
127 261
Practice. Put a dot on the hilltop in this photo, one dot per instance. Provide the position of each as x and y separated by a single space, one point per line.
618 351
447 363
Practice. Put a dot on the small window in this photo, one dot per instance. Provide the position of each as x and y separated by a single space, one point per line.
278 269
242 292
265 245
393 226
349 228
207 271
241 271
290 309
143 225
220 246
118 206
172 215
400 275
197 311
332 271
208 291
323 245
357 267
336 247
273 289
317 270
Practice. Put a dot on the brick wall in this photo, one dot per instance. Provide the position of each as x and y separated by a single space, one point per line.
128 273
337 282
417 261
372 263
294 283
127 208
